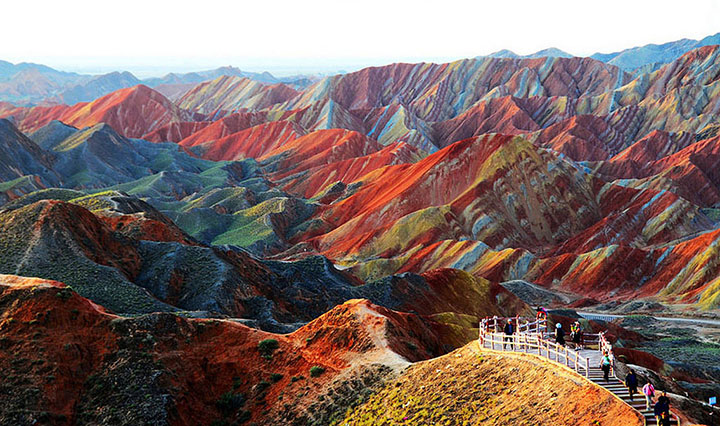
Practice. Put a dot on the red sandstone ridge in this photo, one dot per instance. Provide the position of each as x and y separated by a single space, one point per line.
47 330
451 190
254 142
673 162
224 127
176 131
498 115
583 138
132 112
230 93
463 83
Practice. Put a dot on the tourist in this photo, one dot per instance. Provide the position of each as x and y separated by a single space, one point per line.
576 335
605 364
649 392
559 335
662 409
631 382
509 330
541 313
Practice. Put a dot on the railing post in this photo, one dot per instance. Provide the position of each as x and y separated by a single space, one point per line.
587 367
539 347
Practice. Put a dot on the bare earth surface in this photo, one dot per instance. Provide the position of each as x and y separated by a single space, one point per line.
471 386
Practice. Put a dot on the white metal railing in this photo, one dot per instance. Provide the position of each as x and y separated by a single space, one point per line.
532 337
520 325
604 346
535 344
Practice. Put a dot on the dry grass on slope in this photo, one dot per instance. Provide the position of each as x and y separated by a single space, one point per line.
471 387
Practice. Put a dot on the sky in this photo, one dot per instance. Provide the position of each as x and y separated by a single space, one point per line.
151 37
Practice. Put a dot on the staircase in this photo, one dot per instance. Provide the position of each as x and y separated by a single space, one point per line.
533 338
618 388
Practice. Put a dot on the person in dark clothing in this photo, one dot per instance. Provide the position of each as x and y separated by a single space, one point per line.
631 382
662 409
509 331
576 335
665 419
605 364
559 335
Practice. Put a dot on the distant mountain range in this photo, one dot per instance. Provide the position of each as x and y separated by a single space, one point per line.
551 52
654 54
27 84
34 84
645 58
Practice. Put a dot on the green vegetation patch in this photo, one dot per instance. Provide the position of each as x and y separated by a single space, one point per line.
267 347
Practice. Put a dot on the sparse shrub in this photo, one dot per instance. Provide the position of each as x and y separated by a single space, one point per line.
276 377
64 294
267 347
230 402
243 416
237 382
294 379
316 371
262 386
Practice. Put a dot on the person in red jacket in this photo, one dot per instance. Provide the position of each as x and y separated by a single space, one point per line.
649 391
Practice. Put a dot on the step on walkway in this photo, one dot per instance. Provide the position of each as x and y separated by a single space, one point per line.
489 339
617 387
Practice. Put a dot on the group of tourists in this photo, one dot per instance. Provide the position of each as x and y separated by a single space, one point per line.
575 335
661 407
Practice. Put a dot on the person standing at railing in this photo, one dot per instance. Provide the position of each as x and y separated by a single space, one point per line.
649 392
605 364
541 314
559 335
576 335
509 330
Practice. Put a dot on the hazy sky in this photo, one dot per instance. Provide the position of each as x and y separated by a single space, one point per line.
152 37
